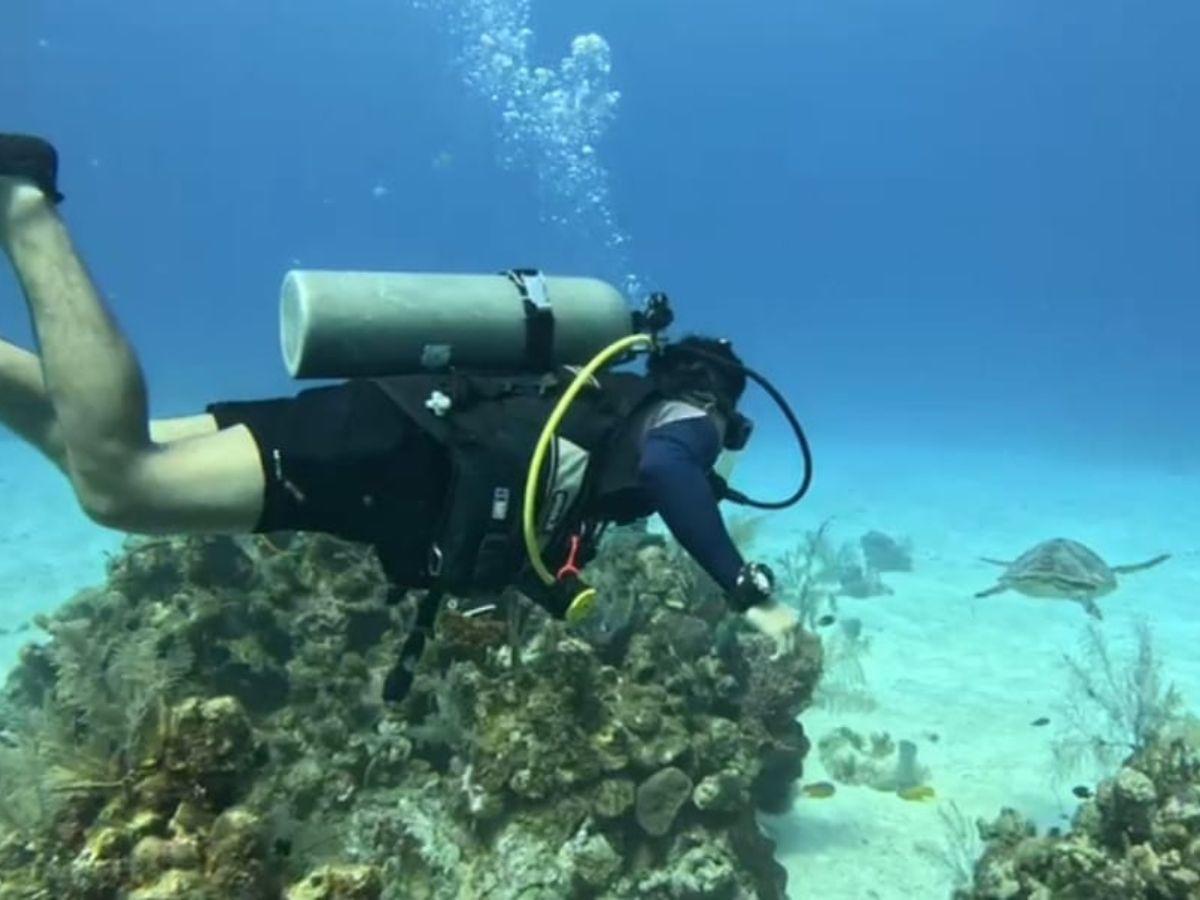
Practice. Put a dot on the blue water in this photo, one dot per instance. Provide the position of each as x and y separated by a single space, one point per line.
977 221
956 235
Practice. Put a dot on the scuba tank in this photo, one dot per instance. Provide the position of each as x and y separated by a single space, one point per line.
364 324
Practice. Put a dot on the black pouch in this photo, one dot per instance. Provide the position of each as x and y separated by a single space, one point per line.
490 425
479 544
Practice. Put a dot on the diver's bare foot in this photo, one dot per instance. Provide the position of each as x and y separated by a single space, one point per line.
19 200
28 177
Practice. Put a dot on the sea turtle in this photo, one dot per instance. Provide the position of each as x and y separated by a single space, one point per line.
1064 569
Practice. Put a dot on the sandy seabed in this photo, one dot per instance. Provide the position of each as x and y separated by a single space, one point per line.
978 672
973 673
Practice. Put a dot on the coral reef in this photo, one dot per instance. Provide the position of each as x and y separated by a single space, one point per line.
208 724
812 575
1112 706
884 553
1137 837
843 686
876 761
807 576
856 576
959 849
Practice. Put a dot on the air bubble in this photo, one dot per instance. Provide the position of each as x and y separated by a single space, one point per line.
549 119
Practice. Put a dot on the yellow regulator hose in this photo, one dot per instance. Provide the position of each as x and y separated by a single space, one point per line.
582 602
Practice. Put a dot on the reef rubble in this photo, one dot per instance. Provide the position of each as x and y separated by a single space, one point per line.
208 724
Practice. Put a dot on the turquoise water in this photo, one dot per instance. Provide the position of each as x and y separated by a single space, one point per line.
963 239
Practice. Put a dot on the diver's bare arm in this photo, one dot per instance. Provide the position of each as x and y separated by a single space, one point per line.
95 387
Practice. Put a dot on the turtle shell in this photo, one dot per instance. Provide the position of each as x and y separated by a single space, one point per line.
1060 568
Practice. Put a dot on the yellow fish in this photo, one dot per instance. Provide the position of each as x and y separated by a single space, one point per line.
818 790
916 793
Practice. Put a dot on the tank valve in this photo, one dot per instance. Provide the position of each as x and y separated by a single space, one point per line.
657 315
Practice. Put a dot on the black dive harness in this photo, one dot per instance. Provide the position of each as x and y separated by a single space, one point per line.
489 425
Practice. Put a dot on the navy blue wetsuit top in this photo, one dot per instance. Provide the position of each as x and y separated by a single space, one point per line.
675 462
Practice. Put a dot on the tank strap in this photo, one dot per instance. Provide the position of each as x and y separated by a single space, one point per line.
539 316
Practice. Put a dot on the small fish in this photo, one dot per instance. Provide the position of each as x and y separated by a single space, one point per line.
826 620
1082 791
917 793
1038 723
818 790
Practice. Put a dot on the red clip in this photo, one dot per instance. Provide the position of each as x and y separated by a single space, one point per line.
571 567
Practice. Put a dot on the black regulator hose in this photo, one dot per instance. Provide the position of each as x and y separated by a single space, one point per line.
801 441
736 496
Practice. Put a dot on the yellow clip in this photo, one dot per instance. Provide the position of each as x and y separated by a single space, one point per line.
581 606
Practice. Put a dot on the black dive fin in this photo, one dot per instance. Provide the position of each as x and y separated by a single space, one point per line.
31 159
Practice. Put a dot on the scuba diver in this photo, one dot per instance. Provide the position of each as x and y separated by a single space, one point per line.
433 469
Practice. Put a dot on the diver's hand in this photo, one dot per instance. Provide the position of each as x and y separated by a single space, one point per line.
752 596
776 621
755 584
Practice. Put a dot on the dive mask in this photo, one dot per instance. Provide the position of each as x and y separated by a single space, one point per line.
738 430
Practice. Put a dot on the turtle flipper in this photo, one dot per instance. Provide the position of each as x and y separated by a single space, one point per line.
1092 609
997 589
994 562
1137 567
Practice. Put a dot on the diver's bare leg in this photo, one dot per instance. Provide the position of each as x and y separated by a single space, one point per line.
95 387
25 409
91 375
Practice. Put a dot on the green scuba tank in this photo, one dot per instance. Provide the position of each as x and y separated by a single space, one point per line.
365 324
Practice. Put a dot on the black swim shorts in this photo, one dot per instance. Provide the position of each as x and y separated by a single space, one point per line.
347 461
